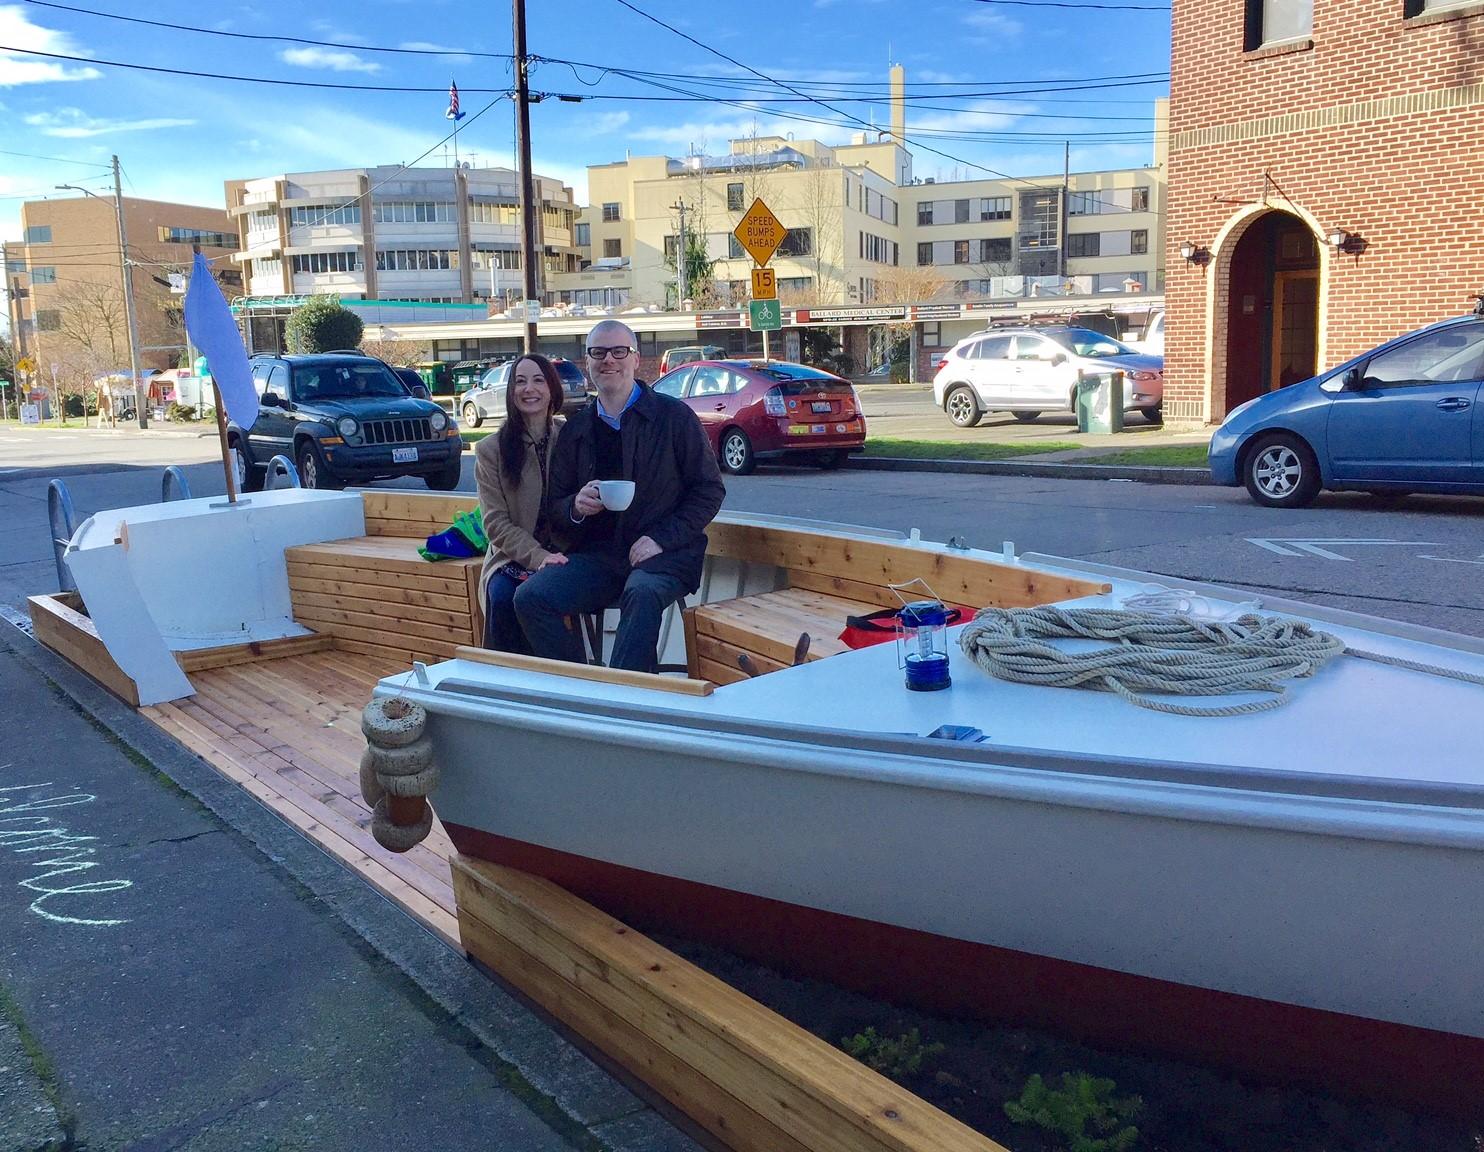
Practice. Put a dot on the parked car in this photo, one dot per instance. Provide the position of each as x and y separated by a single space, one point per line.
1404 417
762 409
1027 371
342 419
675 357
487 400
466 373
1151 338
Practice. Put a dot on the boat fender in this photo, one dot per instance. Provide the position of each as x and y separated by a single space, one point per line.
408 761
396 837
371 789
419 784
393 723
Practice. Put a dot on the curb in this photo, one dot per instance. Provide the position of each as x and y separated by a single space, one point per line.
28 1120
562 1077
1136 473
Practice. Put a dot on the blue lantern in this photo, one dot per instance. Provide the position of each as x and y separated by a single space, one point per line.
922 645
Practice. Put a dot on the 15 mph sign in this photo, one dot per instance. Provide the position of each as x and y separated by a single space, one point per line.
760 232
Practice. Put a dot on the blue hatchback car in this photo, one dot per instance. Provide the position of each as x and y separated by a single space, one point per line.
1407 416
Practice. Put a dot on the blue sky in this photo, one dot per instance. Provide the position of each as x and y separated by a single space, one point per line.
180 137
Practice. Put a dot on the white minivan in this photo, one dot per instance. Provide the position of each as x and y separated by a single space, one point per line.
1027 371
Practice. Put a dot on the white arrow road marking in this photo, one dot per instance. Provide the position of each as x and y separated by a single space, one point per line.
1285 547
1450 559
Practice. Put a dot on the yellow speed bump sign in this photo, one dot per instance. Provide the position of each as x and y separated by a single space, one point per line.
764 284
760 232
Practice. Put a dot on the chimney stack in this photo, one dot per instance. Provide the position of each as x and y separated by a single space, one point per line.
899 104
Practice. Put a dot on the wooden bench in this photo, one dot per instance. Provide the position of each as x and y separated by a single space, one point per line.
766 629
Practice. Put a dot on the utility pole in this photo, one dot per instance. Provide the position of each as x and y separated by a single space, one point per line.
527 191
680 257
140 394
1066 183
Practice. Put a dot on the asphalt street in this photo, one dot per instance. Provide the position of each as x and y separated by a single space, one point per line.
1420 559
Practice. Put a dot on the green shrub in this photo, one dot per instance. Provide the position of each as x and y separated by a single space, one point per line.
320 324
895 1058
1083 1111
180 413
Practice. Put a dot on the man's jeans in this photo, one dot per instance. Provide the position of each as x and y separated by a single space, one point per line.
589 582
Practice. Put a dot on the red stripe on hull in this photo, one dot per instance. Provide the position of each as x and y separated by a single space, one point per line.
1415 1067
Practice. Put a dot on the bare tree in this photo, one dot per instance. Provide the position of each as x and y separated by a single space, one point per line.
819 203
911 284
399 353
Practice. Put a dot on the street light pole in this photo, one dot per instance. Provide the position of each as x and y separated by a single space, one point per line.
140 393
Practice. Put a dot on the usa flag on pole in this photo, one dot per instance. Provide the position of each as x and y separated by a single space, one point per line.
453 112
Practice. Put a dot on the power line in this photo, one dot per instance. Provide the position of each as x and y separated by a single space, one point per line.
282 39
54 159
1068 4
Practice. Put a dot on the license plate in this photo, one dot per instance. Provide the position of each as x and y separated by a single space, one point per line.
817 429
798 430
820 406
404 455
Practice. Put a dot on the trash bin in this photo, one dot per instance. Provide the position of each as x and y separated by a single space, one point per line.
1100 402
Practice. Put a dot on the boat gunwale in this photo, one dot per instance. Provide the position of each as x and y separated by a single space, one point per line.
1019 774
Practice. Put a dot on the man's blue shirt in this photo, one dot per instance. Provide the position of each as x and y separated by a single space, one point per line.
612 421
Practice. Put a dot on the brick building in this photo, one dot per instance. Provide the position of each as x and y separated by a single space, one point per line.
1324 173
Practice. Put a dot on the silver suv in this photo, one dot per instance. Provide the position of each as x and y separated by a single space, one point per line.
1027 371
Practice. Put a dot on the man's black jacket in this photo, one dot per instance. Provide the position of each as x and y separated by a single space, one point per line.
677 484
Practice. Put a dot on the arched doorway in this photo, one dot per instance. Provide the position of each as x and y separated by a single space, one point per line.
1272 322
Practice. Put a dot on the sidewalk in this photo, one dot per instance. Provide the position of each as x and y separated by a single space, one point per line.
182 970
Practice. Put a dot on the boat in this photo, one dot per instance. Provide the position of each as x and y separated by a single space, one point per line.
1289 893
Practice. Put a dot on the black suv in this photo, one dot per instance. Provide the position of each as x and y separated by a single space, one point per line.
343 419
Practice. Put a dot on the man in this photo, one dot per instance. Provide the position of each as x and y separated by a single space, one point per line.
649 555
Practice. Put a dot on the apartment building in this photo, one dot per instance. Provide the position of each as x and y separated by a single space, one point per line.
862 229
65 288
1324 186
449 235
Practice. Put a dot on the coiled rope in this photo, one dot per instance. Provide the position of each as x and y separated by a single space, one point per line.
1167 655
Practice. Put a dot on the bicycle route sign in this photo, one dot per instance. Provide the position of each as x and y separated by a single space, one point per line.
765 315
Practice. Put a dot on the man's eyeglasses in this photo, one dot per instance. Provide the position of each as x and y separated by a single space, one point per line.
619 353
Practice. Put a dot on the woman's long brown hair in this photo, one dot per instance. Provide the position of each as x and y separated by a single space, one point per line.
512 435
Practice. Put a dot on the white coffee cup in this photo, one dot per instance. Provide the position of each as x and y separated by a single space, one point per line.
616 494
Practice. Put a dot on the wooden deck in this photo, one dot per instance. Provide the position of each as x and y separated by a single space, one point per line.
289 732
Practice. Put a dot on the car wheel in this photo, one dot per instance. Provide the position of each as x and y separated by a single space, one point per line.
736 453
831 458
1025 417
249 479
1281 472
1153 415
313 471
962 407
472 418
448 479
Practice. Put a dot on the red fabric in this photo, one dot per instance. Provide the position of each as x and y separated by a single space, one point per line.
880 627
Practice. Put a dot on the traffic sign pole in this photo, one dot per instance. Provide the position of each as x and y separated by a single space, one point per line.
760 233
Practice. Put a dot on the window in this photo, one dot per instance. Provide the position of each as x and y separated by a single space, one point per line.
877 250
1454 354
413 212
924 212
170 235
960 251
267 266
48 320
734 197
960 211
1040 219
612 247
610 212
1082 204
1034 348
493 212
39 234
330 262
1083 243
278 382
710 380
797 242
317 215
994 251
994 208
995 348
43 275
415 259
263 222
1138 242
673 383
1274 21
925 252
583 238
1140 200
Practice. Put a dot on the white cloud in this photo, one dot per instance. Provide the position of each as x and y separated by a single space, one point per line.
335 59
991 24
977 115
21 36
75 124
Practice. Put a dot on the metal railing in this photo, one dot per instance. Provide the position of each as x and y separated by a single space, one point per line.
63 522
281 465
174 485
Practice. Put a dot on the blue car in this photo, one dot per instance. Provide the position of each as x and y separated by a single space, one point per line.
1407 416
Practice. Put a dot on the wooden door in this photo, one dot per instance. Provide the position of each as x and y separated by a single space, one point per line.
1295 327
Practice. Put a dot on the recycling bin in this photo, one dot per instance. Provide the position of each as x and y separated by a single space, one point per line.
1100 402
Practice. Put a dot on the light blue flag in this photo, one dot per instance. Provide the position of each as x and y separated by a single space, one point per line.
209 322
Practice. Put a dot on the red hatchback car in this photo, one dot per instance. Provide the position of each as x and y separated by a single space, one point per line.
760 409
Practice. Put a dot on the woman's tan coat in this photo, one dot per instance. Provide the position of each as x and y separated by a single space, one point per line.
510 514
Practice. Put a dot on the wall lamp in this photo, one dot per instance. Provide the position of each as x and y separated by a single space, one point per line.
1195 254
1346 242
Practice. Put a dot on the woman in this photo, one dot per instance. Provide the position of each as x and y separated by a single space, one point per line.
511 472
